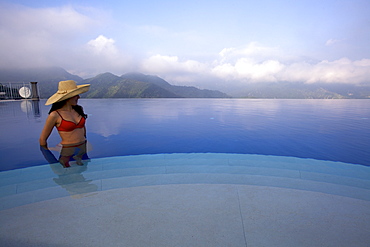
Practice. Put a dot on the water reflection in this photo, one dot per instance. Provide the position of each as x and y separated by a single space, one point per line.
31 108
15 108
36 108
68 153
125 114
336 130
321 129
70 178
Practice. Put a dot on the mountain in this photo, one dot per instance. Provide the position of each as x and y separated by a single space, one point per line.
181 91
108 85
47 78
137 85
147 78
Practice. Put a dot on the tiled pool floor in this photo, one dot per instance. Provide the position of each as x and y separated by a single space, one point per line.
187 200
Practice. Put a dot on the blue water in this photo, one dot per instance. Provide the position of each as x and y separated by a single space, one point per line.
335 130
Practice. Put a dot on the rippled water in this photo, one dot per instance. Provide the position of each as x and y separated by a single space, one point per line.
336 130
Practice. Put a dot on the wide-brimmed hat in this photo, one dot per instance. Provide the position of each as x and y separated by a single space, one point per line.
66 90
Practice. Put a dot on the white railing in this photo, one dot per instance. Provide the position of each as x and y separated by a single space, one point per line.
18 90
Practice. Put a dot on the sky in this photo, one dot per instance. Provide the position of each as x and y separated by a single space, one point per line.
203 43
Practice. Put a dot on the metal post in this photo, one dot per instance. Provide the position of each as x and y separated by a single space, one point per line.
35 93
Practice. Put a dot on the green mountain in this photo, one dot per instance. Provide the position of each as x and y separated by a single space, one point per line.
180 91
108 85
137 85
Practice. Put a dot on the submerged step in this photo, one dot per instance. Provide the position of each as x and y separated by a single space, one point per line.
146 170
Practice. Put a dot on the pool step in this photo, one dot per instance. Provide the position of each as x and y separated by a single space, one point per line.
52 181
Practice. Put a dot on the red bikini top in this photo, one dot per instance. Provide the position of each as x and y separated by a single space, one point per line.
66 125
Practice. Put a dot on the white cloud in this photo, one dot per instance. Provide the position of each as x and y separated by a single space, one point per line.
40 36
102 55
171 68
339 71
247 69
252 50
103 45
245 64
61 21
331 42
32 37
71 38
252 64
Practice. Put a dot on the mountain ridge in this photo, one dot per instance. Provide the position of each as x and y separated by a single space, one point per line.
181 91
108 85
138 85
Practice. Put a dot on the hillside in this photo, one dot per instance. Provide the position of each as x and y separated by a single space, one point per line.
137 85
180 91
108 85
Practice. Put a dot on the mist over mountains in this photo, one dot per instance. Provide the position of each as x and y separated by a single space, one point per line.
137 85
290 90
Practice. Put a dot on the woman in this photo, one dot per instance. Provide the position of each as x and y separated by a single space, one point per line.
69 119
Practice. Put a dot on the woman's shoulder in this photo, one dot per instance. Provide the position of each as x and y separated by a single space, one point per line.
54 114
52 118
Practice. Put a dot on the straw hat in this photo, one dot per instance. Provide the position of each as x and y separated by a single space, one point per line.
66 90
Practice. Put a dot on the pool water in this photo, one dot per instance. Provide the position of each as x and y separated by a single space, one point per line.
334 130
191 172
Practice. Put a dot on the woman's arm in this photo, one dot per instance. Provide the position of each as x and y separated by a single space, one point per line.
48 128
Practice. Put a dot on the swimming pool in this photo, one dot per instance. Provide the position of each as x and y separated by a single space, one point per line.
193 199
191 172
334 130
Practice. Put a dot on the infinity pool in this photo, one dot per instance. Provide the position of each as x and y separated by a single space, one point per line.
191 172
335 130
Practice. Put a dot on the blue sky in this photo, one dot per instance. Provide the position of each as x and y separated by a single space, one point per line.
209 44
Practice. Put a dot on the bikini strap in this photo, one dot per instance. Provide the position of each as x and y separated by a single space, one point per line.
60 115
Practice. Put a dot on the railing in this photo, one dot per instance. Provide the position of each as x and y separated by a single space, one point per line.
18 90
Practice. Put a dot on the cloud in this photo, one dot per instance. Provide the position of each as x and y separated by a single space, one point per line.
40 36
247 69
254 63
58 36
331 42
60 21
101 55
103 46
251 50
173 69
74 38
339 71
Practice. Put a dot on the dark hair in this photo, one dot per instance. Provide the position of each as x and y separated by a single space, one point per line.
60 104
